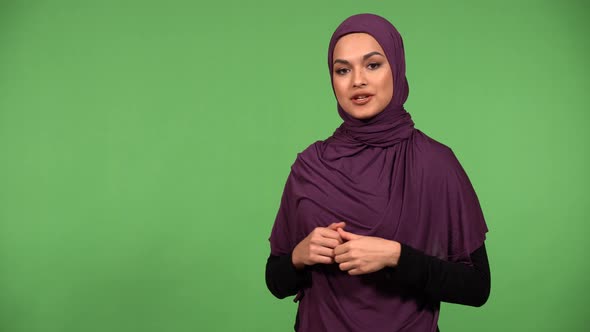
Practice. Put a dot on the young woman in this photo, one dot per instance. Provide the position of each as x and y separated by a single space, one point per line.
378 223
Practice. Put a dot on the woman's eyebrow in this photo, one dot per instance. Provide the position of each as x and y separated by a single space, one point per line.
368 55
365 57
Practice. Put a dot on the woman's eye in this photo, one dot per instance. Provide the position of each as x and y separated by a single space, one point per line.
341 71
374 65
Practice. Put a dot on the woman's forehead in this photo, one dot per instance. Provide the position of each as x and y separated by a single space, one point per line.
356 45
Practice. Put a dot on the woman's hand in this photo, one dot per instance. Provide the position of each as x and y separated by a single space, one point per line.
318 246
365 254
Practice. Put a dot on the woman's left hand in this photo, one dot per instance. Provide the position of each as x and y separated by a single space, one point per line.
365 254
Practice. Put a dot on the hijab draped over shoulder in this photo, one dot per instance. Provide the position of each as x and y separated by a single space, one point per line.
383 178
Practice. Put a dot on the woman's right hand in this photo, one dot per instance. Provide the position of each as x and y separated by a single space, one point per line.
318 246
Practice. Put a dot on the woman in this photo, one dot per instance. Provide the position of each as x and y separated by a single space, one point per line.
378 223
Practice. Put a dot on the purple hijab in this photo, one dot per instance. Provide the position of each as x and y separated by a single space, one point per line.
386 179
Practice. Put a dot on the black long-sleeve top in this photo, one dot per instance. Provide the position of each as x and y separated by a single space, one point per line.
423 274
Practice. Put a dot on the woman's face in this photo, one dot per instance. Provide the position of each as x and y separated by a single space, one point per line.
362 78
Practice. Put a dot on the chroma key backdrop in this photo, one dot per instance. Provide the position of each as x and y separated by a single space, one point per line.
144 146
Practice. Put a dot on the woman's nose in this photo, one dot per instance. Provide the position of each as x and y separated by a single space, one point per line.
358 80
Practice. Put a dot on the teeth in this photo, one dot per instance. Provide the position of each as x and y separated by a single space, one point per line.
361 97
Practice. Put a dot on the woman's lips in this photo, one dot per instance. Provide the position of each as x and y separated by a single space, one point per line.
361 100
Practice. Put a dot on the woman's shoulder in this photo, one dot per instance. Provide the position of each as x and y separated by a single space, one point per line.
433 156
311 152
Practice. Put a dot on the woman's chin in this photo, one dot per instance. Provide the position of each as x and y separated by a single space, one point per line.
363 114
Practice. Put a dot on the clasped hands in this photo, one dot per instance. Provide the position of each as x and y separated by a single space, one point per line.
353 253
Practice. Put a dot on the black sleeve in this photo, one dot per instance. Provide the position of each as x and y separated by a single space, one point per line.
442 280
427 275
282 278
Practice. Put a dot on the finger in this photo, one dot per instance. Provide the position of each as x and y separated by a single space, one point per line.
355 272
326 232
342 258
336 225
341 249
346 266
323 251
321 259
347 235
326 242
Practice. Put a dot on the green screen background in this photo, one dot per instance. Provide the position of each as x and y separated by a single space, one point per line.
144 146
